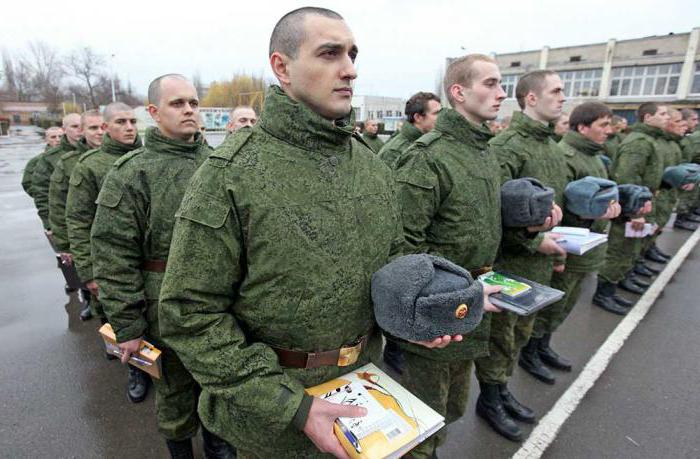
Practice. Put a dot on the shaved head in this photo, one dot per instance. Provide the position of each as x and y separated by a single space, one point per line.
71 118
289 32
112 109
154 89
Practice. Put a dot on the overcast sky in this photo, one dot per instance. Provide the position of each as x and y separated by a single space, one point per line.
403 44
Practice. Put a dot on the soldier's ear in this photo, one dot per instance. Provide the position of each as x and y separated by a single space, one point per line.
153 111
280 67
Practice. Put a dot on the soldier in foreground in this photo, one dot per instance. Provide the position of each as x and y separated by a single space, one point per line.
241 116
85 182
263 277
370 135
52 136
421 112
130 240
449 192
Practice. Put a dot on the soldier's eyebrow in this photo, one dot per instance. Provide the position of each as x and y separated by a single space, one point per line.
330 46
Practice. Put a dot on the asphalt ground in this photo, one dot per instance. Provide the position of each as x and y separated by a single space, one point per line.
62 398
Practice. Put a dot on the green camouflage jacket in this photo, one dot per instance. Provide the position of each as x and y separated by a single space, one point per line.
133 224
29 171
526 149
41 178
670 149
583 160
450 198
399 144
374 142
84 186
691 147
58 192
639 160
274 245
612 145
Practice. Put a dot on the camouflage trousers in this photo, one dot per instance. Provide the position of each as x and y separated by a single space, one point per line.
444 386
622 254
688 200
551 317
509 333
96 307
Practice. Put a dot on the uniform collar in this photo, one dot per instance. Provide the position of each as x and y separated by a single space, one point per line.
451 122
648 130
112 147
156 141
410 132
66 145
529 127
295 123
582 143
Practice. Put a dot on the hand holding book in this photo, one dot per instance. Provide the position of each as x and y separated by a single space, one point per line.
320 422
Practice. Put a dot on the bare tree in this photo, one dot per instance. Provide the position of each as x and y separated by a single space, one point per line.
18 76
87 66
47 72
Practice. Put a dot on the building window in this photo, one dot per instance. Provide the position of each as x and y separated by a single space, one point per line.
370 115
581 83
575 59
695 89
647 80
508 82
650 52
380 114
515 64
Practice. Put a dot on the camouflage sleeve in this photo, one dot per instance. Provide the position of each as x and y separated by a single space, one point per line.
632 160
116 242
40 190
27 176
58 190
418 196
243 380
80 212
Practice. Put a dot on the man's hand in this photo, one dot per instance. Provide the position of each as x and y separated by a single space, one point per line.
66 258
613 211
490 290
439 342
49 233
550 246
688 187
646 209
129 347
550 222
92 286
319 425
638 223
559 267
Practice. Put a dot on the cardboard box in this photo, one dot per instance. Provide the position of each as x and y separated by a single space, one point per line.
148 358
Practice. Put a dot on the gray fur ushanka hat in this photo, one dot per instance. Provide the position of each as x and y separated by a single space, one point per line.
682 174
590 197
632 198
525 202
421 297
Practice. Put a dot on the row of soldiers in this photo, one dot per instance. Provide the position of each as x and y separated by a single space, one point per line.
249 266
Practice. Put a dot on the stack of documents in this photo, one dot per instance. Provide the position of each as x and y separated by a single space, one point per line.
524 300
649 229
578 241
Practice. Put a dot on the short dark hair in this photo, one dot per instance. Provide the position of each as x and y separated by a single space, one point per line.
531 82
417 105
617 119
647 108
687 113
289 31
154 87
587 113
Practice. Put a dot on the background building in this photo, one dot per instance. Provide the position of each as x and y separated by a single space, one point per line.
388 110
621 73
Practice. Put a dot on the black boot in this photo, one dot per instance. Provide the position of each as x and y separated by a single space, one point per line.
691 217
394 357
624 302
68 289
685 224
490 408
514 407
696 211
86 310
551 358
630 286
137 387
641 283
660 252
651 268
216 447
530 361
642 270
180 449
604 298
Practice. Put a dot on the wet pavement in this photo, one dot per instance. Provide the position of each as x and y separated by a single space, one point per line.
62 398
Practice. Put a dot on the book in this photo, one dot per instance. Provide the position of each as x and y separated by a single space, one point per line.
511 287
147 359
649 229
578 242
539 296
396 420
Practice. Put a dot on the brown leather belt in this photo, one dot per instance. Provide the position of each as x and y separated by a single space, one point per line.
342 357
480 271
154 266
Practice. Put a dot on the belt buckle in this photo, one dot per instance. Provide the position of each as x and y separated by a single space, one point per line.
349 355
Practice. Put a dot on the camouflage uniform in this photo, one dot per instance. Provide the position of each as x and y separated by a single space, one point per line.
373 141
58 192
398 144
612 145
29 171
583 160
691 154
132 228
84 185
449 191
274 245
525 149
639 161
41 178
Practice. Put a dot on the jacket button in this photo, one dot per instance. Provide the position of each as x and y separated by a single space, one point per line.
461 311
333 160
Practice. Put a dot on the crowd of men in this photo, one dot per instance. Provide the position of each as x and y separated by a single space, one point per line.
249 265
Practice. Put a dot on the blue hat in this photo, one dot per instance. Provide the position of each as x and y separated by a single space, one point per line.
525 202
632 198
590 196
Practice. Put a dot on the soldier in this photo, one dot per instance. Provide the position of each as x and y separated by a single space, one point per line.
91 127
370 136
561 127
525 149
130 239
639 161
618 134
53 139
85 182
268 277
241 116
691 154
449 192
582 147
421 112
